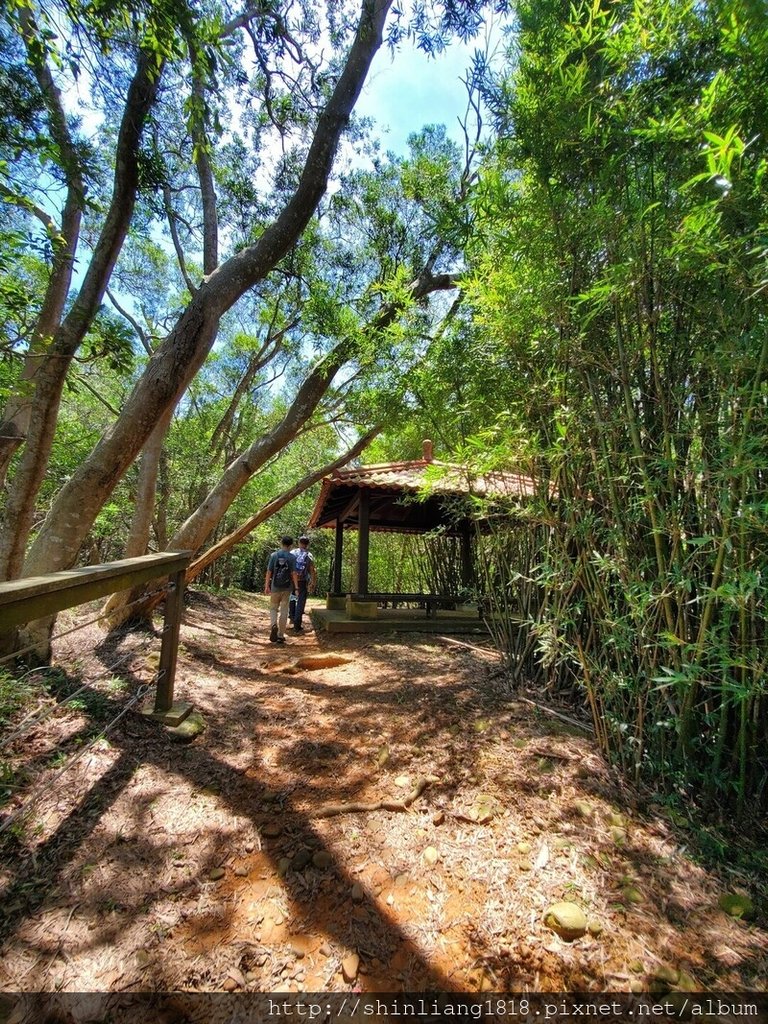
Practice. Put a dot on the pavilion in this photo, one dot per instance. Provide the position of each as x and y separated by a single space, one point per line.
420 496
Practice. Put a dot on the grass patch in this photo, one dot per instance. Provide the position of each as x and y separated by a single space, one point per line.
16 692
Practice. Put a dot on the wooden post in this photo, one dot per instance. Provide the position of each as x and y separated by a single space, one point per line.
466 555
33 599
165 710
363 540
338 552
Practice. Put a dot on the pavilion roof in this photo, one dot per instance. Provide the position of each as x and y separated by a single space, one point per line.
392 484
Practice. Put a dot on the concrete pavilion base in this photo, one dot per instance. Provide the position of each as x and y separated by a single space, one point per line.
400 620
360 609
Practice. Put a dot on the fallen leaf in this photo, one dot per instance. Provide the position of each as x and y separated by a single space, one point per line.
237 975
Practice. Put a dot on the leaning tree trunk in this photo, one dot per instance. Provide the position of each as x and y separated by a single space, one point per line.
226 544
266 353
141 525
178 359
204 520
193 533
17 414
49 380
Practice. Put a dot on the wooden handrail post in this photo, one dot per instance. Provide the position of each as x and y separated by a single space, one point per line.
166 673
32 599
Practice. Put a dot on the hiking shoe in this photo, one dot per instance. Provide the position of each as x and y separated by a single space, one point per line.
298 629
280 640
273 635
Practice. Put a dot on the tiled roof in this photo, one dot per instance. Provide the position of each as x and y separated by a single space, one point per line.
390 483
437 478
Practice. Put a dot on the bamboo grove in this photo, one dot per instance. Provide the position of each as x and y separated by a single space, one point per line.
620 269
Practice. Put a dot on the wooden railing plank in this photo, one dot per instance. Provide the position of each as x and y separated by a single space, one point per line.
34 598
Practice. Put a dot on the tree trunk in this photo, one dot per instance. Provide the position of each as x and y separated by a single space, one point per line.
204 171
17 414
192 534
259 360
182 353
50 377
160 523
227 543
141 524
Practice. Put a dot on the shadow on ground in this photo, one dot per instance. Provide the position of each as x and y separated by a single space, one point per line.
123 890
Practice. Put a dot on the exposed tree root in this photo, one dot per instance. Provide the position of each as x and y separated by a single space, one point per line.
329 810
313 662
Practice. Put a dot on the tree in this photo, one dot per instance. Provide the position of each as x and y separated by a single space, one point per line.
56 337
324 110
182 353
378 236
226 544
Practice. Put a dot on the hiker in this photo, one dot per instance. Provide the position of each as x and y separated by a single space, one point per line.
307 574
281 577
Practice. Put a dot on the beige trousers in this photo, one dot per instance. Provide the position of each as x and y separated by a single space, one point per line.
278 609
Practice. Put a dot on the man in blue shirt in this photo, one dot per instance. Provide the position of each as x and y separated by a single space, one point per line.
281 578
305 570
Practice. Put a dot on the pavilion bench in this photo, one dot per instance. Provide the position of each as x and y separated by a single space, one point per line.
429 601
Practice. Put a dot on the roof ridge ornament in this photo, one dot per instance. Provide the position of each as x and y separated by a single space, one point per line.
427 450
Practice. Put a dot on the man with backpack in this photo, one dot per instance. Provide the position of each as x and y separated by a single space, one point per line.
307 574
280 579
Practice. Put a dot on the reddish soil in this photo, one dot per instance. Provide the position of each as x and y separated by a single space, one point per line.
111 883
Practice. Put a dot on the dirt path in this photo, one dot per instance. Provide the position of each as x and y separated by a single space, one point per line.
156 866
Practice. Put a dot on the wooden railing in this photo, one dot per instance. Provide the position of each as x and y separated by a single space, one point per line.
26 600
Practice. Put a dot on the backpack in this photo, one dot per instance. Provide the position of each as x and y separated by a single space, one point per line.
302 561
281 575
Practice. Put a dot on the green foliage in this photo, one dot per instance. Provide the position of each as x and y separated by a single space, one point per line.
14 693
110 340
231 124
20 100
21 274
620 273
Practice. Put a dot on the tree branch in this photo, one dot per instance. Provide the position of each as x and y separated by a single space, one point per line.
50 377
17 415
200 146
195 530
95 393
25 203
180 259
132 321
241 21
259 360
222 546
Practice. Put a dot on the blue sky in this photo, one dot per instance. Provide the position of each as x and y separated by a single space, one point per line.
407 90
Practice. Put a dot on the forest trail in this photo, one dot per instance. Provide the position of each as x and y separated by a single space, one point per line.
228 863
